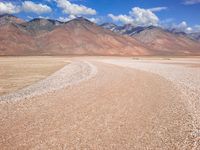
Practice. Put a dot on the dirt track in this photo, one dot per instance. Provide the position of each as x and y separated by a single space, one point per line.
119 108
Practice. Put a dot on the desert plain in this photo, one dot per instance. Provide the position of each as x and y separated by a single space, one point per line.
100 103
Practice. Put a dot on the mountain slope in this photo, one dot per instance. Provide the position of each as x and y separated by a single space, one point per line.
8 19
195 36
81 37
40 24
76 37
163 41
127 29
167 43
15 41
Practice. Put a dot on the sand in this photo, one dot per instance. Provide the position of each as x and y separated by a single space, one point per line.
117 108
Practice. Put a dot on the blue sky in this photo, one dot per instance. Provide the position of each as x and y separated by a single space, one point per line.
183 14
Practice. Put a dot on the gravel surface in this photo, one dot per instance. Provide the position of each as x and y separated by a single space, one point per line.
70 74
119 108
185 78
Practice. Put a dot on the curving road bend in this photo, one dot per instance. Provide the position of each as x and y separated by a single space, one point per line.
118 108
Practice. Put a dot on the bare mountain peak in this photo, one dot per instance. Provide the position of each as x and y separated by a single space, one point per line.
7 15
129 26
8 18
39 24
128 29
108 24
80 20
45 21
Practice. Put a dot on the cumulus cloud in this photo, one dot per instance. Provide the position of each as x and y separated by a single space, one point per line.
27 6
121 18
137 16
30 6
191 2
183 27
143 16
8 8
74 9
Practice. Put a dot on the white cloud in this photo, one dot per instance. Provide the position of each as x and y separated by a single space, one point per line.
137 16
156 9
94 20
65 19
183 27
191 2
42 17
9 8
70 17
74 9
144 17
29 6
121 18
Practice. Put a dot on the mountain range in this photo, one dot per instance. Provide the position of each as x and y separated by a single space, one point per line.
81 37
157 38
129 29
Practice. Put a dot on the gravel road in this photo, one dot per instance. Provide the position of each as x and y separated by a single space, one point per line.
117 108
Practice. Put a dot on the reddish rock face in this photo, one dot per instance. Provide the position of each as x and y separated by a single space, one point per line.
79 37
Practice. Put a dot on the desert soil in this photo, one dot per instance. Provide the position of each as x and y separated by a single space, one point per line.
121 107
19 72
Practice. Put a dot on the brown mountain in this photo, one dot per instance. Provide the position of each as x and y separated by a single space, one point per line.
7 18
164 42
15 40
82 37
78 37
167 43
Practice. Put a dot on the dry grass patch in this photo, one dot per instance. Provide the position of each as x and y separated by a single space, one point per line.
19 72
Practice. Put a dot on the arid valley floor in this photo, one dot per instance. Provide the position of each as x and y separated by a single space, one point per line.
100 103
